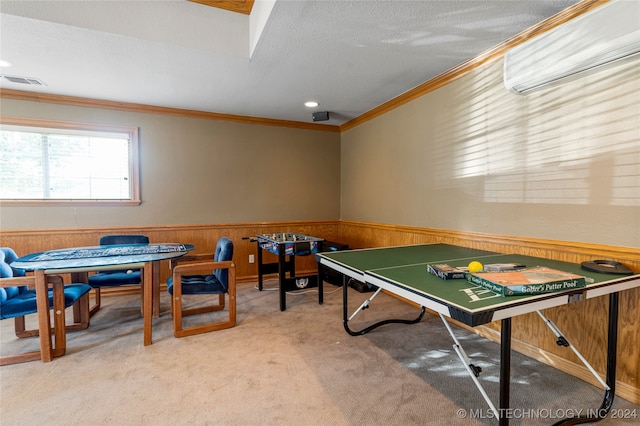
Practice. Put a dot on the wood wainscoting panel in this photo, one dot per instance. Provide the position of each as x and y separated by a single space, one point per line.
584 323
203 237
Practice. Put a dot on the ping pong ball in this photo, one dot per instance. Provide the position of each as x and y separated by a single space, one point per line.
475 266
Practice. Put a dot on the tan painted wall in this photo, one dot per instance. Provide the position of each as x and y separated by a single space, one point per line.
199 171
562 164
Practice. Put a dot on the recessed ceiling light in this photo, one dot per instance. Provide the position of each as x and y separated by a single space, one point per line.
311 104
4 63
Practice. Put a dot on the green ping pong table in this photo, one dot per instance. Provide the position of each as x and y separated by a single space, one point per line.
402 271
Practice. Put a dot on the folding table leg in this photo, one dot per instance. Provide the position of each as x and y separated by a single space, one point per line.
562 341
505 370
365 305
473 370
612 350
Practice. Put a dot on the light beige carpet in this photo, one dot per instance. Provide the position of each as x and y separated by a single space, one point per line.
297 367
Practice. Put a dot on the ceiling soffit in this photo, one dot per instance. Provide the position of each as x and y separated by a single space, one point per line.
239 6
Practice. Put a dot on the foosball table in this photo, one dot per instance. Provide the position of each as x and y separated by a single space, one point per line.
287 245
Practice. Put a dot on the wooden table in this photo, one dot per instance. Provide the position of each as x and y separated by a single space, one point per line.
81 260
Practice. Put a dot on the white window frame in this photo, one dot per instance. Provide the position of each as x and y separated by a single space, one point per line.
134 167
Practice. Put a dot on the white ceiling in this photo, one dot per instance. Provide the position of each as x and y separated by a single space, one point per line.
350 56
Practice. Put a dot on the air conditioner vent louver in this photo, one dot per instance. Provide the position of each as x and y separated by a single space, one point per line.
601 37
23 80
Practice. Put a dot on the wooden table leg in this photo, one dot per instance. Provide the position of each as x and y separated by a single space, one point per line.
79 315
59 327
156 289
147 283
44 322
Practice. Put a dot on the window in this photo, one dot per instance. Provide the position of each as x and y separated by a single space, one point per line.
61 163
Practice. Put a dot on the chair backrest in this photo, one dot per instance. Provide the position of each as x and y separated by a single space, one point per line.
224 252
110 240
7 256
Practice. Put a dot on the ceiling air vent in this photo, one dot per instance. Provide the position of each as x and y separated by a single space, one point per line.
24 80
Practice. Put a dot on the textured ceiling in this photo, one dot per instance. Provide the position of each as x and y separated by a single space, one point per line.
350 56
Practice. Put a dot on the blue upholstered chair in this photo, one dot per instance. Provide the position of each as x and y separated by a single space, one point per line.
204 274
18 298
119 277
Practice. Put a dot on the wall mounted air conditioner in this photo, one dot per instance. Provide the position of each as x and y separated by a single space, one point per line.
603 36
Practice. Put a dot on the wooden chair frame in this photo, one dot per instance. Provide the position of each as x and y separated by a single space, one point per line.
200 267
82 277
81 317
80 309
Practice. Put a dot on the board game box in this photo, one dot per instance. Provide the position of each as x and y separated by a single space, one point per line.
447 272
538 280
